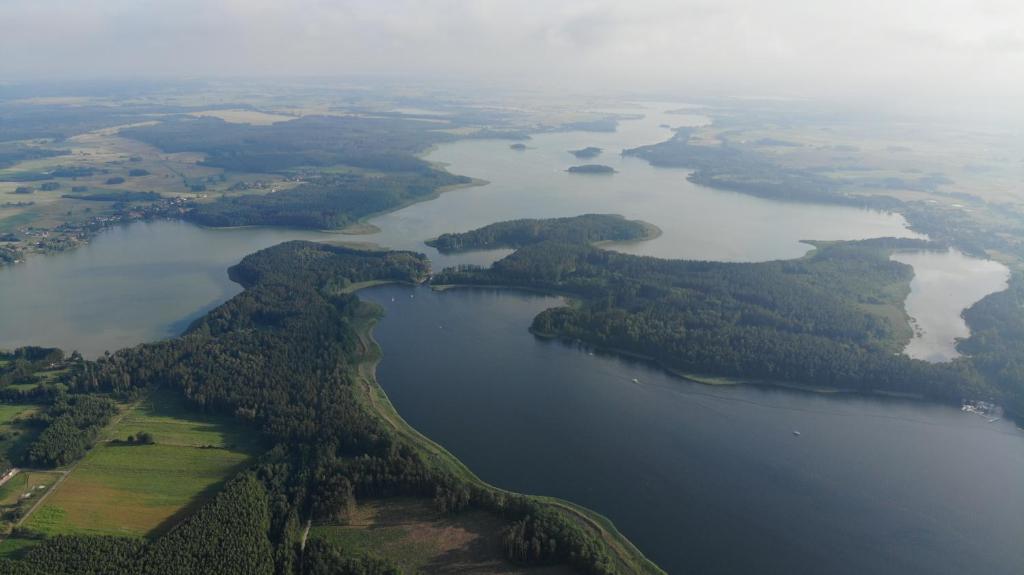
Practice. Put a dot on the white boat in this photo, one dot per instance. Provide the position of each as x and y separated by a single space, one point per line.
635 380
796 433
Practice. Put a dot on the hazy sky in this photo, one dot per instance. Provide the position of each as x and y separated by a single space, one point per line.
927 53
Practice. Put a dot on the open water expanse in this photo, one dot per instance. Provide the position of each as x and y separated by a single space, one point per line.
704 479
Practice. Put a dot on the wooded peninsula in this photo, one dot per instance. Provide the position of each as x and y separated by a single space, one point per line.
823 321
291 357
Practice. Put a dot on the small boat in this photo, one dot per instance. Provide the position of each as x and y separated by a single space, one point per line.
994 419
635 380
796 433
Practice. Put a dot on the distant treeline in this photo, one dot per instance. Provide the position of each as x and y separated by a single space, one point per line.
728 166
11 154
382 144
591 169
115 196
731 168
328 201
587 228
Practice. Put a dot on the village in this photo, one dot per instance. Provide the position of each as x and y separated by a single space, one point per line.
27 240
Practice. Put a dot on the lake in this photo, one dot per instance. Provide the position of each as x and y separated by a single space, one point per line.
945 284
148 280
697 222
132 284
704 479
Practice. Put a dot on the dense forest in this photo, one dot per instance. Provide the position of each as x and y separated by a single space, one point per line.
284 355
591 169
587 228
72 425
995 345
382 144
805 321
326 201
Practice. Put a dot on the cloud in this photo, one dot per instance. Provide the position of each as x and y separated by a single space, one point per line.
935 52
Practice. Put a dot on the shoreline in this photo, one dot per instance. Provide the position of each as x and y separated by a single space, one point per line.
626 553
359 227
703 379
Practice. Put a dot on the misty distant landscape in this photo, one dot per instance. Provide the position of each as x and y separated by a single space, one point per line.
576 287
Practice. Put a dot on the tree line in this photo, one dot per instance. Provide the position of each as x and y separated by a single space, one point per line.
324 202
587 228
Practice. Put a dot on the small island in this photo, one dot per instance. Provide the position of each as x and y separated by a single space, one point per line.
587 153
586 229
518 146
591 169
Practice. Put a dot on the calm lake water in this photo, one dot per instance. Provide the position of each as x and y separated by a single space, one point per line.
135 283
944 284
704 479
697 222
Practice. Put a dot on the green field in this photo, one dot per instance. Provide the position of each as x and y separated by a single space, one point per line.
138 490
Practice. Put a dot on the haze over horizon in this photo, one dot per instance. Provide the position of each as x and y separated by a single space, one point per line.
958 57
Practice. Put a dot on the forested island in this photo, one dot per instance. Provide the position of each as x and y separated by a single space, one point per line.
588 228
587 153
591 169
290 357
832 319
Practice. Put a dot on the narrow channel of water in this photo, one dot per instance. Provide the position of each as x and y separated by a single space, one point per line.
945 284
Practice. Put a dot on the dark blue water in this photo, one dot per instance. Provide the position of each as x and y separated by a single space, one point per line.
704 479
